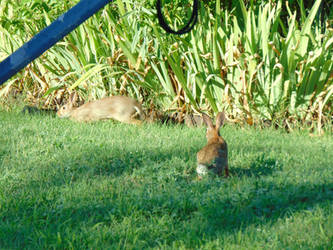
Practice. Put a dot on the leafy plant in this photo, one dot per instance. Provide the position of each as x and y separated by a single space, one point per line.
249 61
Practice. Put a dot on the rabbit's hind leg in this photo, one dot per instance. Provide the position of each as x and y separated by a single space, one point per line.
128 120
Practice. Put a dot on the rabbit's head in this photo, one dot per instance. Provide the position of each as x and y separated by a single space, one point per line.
65 110
213 130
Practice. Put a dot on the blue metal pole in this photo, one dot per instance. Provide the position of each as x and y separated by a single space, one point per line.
48 37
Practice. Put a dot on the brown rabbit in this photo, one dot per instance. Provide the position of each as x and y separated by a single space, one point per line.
214 156
120 108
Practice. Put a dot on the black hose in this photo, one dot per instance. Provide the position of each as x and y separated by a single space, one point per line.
186 28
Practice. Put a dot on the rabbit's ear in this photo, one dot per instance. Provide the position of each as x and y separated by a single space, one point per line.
58 102
72 98
220 119
208 120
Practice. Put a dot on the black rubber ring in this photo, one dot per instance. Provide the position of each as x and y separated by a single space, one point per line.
186 28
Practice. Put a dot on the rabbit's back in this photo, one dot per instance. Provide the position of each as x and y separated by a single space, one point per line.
114 107
212 151
213 157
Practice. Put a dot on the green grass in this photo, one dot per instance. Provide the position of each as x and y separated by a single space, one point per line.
66 185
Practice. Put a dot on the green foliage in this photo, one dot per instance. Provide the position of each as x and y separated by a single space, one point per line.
258 61
70 185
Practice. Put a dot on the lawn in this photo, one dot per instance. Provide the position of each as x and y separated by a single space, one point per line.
107 185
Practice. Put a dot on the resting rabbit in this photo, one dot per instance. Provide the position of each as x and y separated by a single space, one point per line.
213 158
120 108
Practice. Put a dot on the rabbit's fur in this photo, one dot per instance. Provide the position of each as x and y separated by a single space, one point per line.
120 108
213 158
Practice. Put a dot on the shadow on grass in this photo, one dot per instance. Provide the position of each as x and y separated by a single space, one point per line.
193 209
116 162
32 110
190 219
266 203
261 166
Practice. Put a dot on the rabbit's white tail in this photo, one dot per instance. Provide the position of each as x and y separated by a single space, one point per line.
202 169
